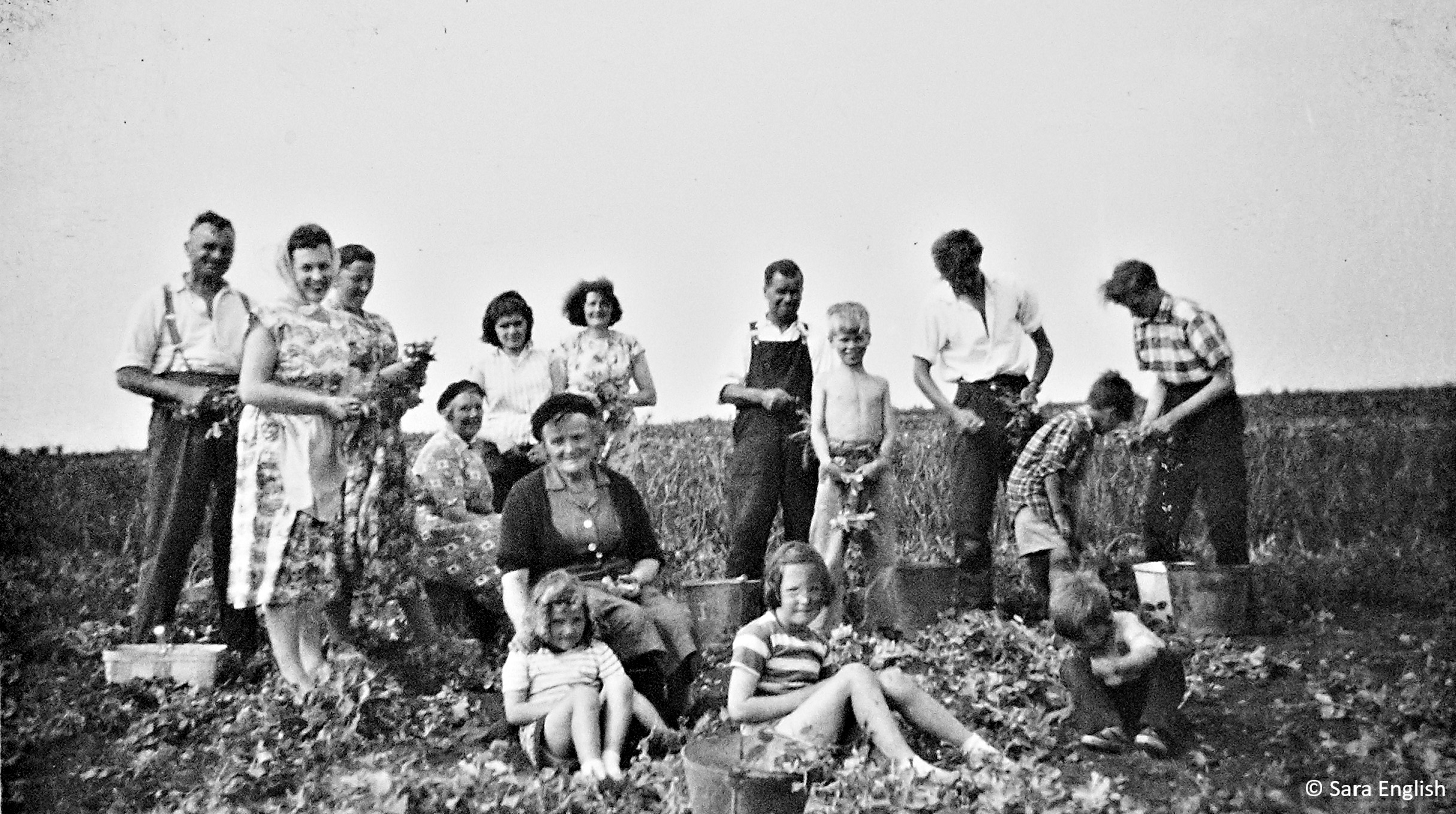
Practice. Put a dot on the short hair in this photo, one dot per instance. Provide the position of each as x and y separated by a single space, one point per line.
505 304
793 552
559 405
1112 390
1128 278
848 313
783 268
455 389
308 236
575 307
557 589
212 219
354 253
1078 601
956 252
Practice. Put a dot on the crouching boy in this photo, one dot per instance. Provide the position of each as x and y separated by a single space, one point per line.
1120 675
1041 491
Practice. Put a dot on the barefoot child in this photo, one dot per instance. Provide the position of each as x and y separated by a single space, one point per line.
780 681
1041 492
853 429
566 690
1120 676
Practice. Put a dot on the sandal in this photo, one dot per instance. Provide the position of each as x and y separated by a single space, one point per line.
1151 742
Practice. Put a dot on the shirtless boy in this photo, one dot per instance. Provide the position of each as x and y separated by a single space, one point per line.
853 429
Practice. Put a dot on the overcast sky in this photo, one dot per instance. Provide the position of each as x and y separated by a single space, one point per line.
1289 165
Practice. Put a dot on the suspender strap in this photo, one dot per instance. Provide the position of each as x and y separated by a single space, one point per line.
170 320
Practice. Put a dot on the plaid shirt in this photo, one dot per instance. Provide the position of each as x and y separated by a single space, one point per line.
1059 446
1182 343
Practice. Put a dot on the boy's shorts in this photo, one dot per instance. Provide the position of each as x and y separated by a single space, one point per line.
1034 535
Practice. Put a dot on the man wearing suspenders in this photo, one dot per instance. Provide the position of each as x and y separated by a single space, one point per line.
769 467
182 348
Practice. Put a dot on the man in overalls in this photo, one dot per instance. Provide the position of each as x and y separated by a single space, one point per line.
1193 411
182 348
770 385
974 326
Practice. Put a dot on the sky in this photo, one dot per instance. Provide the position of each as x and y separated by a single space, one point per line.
1291 166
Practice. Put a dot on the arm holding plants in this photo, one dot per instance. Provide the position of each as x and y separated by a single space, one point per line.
144 383
965 419
1143 646
890 423
1061 514
1220 385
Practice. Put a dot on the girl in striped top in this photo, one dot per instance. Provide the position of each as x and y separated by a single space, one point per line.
566 690
781 680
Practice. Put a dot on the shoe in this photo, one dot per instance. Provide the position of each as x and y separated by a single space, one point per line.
1151 742
1110 740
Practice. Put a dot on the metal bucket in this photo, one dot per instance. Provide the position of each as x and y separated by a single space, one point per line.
720 607
1209 598
720 782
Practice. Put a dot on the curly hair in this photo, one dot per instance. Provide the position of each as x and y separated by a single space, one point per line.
1128 278
793 552
556 591
504 305
575 307
1079 600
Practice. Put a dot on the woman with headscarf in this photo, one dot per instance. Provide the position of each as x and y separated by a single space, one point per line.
516 378
574 513
457 522
290 481
378 523
604 364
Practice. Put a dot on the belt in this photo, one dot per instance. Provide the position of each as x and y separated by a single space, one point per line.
1005 381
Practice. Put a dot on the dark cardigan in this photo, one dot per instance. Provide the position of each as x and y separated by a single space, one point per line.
530 540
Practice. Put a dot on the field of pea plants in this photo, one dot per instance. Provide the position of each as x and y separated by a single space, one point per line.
1343 698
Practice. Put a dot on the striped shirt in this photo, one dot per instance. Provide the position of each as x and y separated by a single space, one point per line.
514 387
1059 446
546 675
1181 343
783 661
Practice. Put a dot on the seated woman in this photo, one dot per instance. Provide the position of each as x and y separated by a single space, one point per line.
459 529
516 378
576 514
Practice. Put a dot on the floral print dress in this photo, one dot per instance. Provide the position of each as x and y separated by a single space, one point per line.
592 361
378 519
290 472
450 473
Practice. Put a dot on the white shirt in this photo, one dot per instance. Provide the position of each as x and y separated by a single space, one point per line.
212 332
952 333
514 387
740 352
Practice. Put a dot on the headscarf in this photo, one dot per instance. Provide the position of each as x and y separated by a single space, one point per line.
293 298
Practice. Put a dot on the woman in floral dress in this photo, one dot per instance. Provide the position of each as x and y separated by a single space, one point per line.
378 523
288 502
458 525
604 364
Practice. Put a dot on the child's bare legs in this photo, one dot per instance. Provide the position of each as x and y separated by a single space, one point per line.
618 705
296 636
855 688
911 700
574 725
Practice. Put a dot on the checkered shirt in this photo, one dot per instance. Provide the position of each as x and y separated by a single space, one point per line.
1059 446
1182 343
